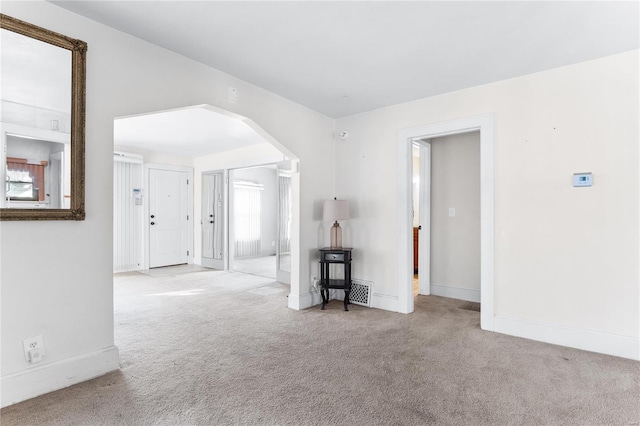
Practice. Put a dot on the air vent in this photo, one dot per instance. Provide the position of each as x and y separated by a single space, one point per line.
361 292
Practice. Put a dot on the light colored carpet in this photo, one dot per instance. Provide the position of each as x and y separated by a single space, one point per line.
221 348
264 266
174 270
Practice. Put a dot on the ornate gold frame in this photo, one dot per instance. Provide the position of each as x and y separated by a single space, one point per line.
78 50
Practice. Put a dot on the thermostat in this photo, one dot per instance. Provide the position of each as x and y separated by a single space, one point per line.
582 179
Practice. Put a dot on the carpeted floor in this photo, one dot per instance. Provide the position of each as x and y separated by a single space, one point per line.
264 266
218 348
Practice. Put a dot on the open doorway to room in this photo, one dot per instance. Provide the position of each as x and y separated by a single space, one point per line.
421 135
446 217
208 146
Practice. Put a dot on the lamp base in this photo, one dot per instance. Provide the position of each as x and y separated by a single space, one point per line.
336 236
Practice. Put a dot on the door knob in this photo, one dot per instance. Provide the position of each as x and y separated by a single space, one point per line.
153 223
152 216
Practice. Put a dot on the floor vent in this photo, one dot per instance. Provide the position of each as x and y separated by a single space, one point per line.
361 292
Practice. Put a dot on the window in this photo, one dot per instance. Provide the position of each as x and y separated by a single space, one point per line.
25 182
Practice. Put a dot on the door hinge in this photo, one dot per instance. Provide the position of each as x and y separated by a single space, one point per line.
187 252
187 181
187 217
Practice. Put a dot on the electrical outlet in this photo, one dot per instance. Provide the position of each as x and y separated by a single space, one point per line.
33 349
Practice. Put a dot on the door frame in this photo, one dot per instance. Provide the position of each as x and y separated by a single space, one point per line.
485 124
281 276
172 168
424 234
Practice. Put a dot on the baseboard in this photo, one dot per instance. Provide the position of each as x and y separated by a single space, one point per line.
588 340
385 302
304 301
47 378
454 292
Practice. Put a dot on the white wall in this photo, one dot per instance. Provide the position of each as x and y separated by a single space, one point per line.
455 241
68 297
269 225
564 256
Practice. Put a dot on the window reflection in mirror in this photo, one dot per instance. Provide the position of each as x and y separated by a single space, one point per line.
36 94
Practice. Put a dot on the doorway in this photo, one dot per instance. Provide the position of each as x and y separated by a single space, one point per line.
446 200
204 139
484 124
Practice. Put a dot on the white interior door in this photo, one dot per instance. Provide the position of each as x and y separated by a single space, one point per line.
424 236
213 220
168 217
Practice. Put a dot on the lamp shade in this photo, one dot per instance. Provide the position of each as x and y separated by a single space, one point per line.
335 210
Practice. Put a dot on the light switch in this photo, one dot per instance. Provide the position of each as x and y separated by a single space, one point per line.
452 212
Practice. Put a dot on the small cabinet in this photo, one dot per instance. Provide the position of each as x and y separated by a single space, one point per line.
328 257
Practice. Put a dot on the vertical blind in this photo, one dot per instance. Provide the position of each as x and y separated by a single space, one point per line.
247 218
127 216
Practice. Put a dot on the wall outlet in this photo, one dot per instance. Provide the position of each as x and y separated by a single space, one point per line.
33 349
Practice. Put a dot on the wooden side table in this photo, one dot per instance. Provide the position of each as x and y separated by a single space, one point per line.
328 257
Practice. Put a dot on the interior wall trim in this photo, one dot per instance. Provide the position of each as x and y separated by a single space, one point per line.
455 292
578 338
56 375
303 301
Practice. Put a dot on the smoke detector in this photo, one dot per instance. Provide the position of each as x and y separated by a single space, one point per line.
344 135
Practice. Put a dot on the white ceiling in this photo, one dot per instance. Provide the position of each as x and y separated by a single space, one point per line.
34 73
346 57
184 132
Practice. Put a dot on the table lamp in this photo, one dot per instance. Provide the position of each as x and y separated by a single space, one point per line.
335 210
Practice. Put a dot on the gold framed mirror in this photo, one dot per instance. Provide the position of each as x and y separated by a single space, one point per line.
42 123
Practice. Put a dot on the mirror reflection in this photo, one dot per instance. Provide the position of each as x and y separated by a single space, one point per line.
284 217
35 115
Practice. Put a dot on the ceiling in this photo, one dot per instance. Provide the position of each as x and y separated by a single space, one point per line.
185 132
346 57
34 73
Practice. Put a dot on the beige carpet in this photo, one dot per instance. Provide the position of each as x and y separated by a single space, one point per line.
218 348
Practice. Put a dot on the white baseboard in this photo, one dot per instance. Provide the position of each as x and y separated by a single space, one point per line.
378 301
588 340
304 301
455 292
47 378
307 300
385 302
